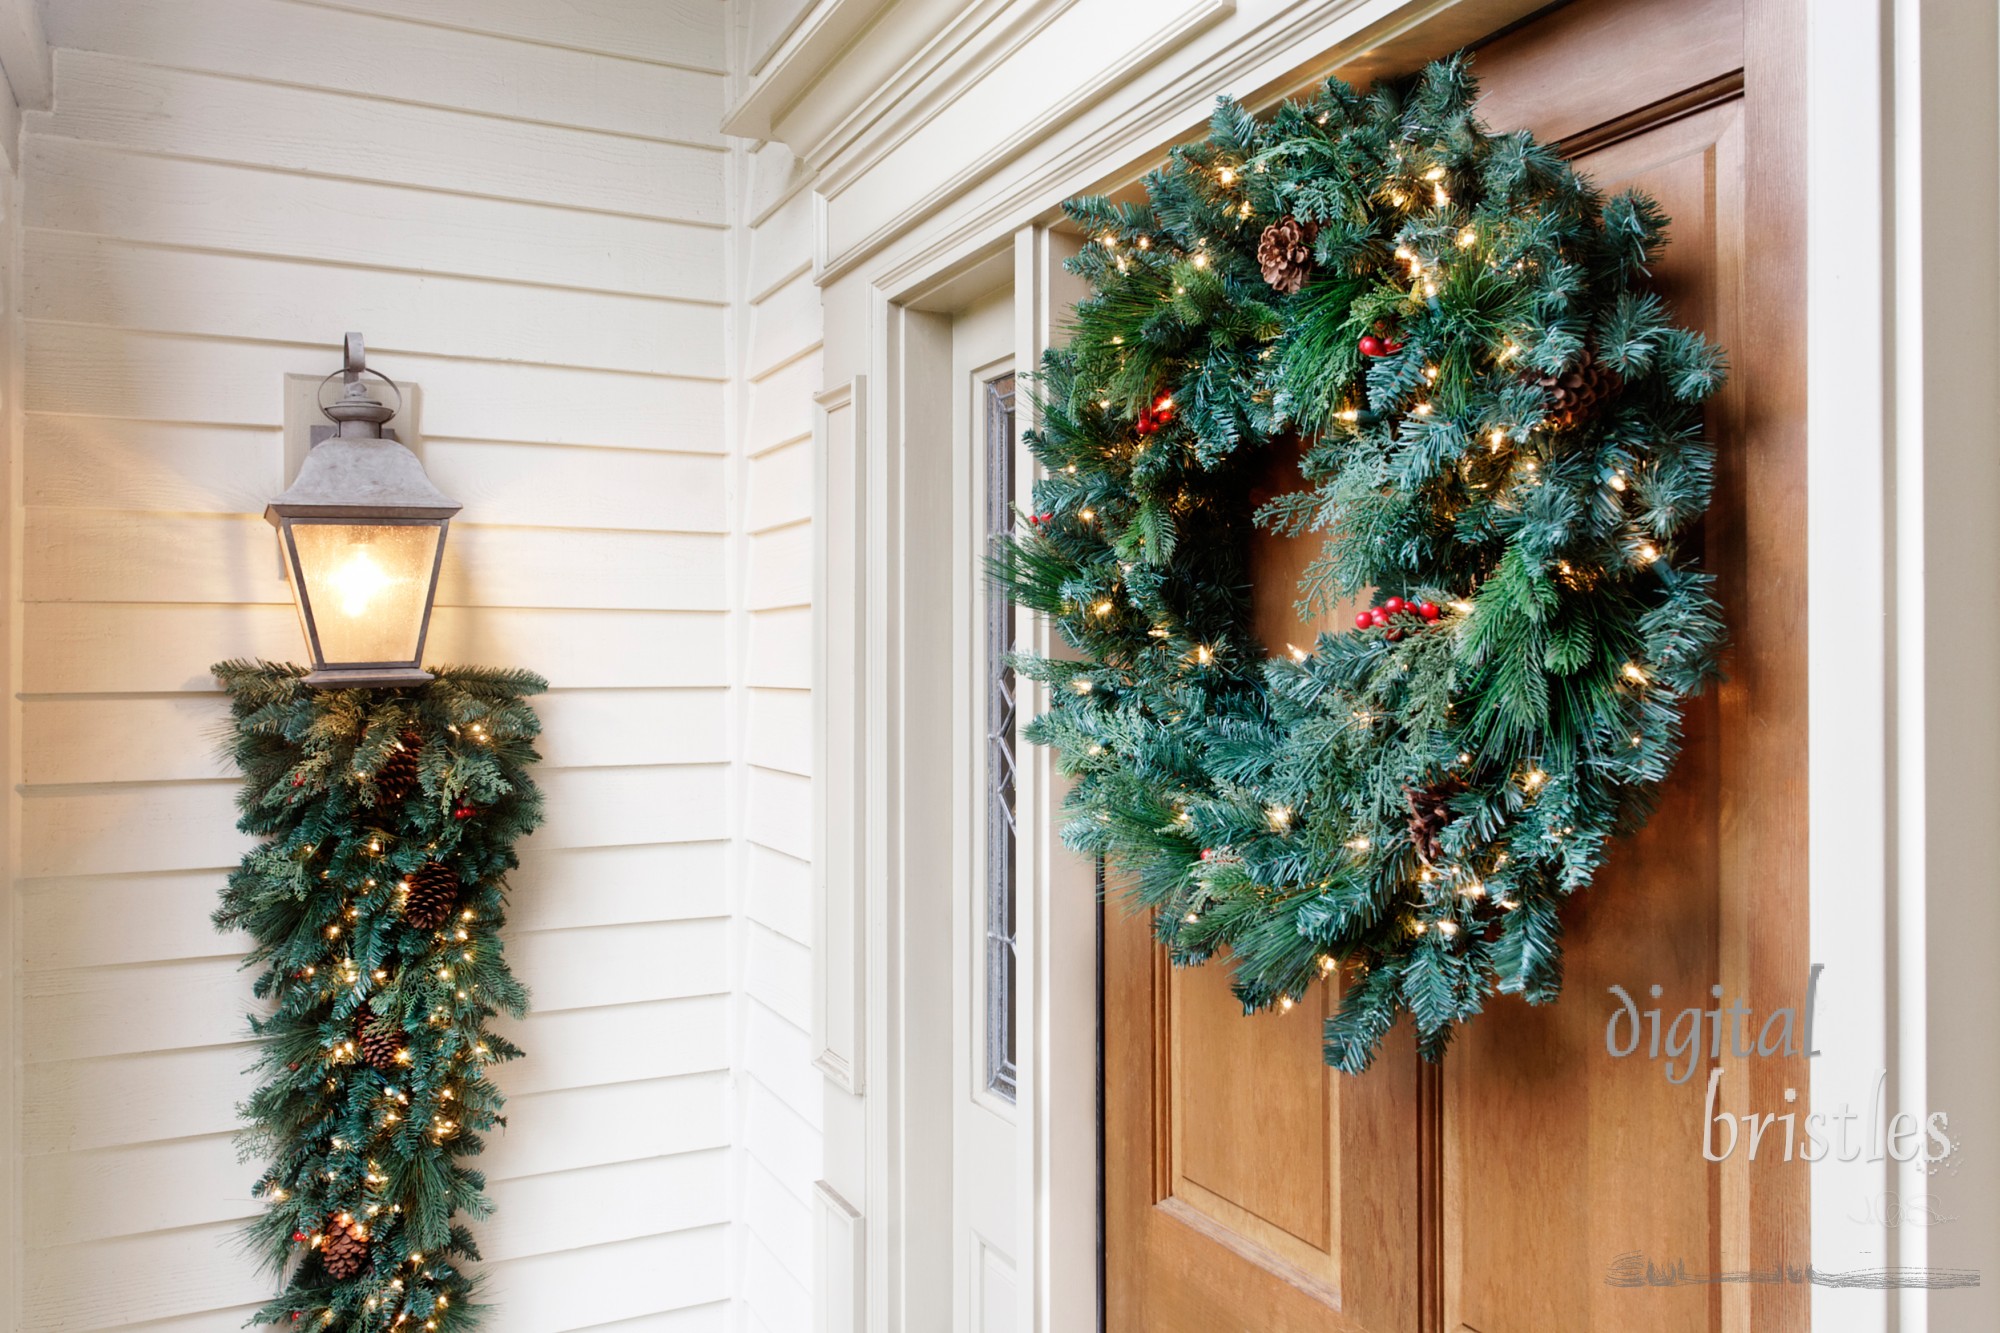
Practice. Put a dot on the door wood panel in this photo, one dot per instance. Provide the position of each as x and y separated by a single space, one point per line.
1249 1187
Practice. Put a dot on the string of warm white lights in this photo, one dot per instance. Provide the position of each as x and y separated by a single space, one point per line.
375 901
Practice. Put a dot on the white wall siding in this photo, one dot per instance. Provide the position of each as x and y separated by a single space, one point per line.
779 1106
526 208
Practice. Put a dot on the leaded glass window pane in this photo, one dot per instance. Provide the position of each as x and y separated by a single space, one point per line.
1001 868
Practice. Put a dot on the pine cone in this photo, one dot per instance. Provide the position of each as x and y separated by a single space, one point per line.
433 893
1285 254
1579 390
397 777
345 1250
1429 814
380 1040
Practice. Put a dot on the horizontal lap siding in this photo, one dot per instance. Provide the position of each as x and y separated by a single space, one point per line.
780 1114
524 208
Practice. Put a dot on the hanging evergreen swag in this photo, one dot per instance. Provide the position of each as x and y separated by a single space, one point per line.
1503 446
389 818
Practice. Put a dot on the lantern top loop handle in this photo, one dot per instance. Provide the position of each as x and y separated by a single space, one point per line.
355 404
326 409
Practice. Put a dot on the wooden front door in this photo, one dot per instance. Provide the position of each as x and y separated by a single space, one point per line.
1248 1187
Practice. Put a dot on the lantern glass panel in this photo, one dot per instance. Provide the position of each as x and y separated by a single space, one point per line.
366 586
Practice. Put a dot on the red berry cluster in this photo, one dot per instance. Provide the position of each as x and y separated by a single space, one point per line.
1382 342
1384 616
1156 416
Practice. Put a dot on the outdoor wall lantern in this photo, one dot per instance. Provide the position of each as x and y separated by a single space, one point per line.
362 530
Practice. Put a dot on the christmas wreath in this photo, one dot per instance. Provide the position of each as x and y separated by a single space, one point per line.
1501 440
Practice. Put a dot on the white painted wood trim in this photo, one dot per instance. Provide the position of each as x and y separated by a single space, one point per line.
1057 929
1194 17
963 53
815 42
1849 502
841 482
840 1263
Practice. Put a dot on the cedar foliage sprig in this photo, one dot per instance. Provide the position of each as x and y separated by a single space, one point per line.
378 1152
1263 807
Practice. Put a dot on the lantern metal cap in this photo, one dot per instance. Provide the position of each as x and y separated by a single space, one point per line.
359 472
360 477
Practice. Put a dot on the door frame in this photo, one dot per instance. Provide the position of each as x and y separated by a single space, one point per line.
1900 131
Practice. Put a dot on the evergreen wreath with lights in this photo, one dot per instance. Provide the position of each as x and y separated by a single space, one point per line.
375 899
1501 437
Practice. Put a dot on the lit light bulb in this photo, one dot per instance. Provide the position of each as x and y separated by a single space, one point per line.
357 581
1226 176
1280 817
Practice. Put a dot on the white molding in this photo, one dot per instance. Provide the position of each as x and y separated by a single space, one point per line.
815 43
1849 565
1193 18
953 63
840 862
908 1110
1110 145
840 1263
1941 199
1056 1196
